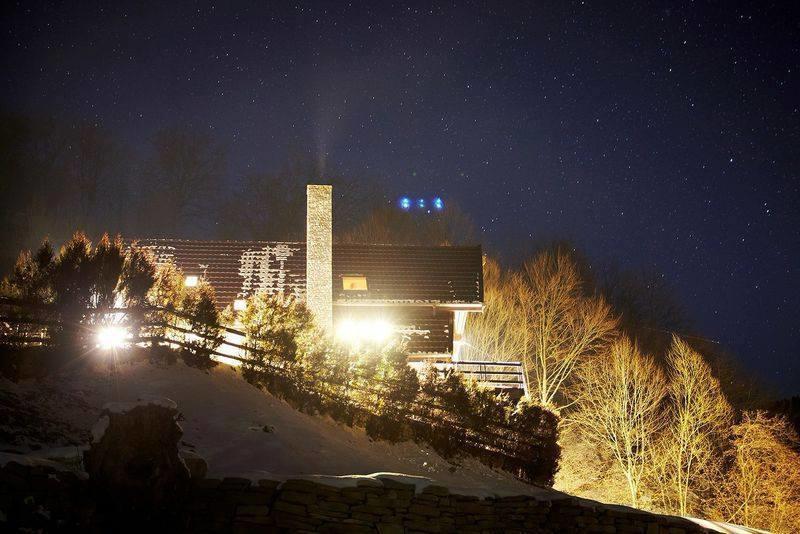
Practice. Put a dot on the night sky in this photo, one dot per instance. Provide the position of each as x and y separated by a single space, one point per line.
662 136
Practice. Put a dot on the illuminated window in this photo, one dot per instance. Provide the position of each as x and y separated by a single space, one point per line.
354 283
190 281
239 304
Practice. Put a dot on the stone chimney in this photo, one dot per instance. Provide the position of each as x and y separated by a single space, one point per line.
319 256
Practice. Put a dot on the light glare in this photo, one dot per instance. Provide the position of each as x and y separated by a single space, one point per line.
357 332
112 337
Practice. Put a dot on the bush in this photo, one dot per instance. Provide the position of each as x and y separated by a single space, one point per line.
278 332
31 279
200 304
541 451
390 393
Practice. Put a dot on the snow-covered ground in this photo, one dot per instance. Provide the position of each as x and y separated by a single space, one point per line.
238 429
242 431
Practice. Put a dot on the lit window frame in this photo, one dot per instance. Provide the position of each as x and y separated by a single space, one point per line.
354 282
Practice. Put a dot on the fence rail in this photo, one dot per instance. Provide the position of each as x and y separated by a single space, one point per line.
495 438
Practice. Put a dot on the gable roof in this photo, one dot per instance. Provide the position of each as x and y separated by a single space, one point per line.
396 274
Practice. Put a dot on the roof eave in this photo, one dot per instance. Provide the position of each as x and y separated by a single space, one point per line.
455 306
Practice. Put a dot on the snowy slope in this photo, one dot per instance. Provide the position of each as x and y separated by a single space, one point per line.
224 421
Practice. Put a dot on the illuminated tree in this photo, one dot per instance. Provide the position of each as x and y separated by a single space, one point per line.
761 488
282 327
107 261
562 325
200 304
497 333
31 278
618 397
699 417
138 277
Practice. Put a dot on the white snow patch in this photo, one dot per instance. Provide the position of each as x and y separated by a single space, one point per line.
725 528
219 408
144 400
99 428
33 461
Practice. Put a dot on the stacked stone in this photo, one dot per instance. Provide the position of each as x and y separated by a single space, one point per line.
387 506
44 498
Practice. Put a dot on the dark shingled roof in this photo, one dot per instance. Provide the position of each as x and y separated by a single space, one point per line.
395 274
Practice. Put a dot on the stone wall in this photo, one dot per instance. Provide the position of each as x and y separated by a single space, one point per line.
43 498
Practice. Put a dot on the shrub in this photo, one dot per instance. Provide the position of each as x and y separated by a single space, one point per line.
390 394
105 269
166 294
277 328
200 305
539 427
30 280
138 276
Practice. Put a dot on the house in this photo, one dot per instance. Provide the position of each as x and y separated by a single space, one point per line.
358 291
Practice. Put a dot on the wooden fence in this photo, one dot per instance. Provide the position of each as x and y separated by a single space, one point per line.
495 443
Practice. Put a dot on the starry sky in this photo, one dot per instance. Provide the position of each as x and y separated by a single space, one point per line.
656 135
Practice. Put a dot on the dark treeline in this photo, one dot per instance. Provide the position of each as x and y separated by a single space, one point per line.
58 175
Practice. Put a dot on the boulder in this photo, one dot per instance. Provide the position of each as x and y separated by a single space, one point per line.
197 465
133 461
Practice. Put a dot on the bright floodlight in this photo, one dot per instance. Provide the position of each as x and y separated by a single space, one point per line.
405 203
190 281
357 332
112 337
438 204
378 330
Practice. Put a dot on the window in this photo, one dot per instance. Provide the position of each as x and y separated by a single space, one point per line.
190 281
354 283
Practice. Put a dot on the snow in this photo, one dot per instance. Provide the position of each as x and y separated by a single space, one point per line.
99 428
144 400
223 418
32 460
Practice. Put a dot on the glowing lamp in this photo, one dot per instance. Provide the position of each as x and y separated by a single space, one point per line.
112 337
355 332
239 305
405 203
421 203
438 204
191 281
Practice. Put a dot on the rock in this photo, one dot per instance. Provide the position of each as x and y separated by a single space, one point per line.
133 461
197 465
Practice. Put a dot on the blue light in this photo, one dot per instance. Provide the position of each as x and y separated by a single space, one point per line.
405 203
421 203
438 204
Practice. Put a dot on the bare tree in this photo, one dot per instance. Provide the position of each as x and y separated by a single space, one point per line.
95 160
388 224
699 416
618 397
562 325
761 488
271 205
497 333
183 177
